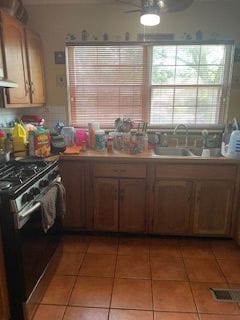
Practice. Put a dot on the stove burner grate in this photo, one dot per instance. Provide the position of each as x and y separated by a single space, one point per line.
5 185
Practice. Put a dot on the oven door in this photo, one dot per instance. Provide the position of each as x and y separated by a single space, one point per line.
37 249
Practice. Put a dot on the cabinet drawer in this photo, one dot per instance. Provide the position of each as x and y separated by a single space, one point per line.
120 170
196 171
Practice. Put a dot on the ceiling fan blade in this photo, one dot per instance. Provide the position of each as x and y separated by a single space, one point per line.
174 5
129 3
131 11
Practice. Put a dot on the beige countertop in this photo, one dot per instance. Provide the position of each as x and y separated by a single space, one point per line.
144 156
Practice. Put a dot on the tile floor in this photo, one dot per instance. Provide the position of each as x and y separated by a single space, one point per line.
129 278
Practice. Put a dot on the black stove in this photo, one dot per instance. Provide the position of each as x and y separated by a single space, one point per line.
27 248
23 181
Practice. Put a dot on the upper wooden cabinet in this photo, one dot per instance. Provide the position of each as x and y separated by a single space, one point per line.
23 62
35 67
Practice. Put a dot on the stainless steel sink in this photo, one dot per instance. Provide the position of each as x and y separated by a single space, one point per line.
214 152
171 151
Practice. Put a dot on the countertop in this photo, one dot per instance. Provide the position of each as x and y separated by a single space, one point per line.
144 156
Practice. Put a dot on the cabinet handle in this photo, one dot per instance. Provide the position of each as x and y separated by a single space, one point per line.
32 87
27 87
122 195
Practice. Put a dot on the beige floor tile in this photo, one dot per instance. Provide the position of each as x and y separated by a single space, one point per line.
203 270
92 292
59 290
174 296
74 243
103 245
175 316
231 269
67 263
116 314
47 312
218 317
165 248
225 249
133 246
200 249
206 303
99 265
81 313
133 267
168 268
132 294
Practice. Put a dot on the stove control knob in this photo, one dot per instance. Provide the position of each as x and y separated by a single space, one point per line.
35 191
27 197
43 183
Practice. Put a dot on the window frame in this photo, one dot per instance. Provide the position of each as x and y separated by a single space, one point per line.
147 61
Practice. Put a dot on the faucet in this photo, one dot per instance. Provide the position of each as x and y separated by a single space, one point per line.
182 126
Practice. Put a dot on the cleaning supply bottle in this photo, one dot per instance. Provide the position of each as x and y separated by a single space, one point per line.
19 136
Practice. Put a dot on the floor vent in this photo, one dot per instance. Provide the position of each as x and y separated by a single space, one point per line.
226 295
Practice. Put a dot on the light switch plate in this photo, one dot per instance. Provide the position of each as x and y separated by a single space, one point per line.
61 80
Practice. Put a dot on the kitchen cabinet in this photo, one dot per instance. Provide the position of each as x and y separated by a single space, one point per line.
172 207
213 207
200 195
105 204
73 178
35 67
23 62
119 197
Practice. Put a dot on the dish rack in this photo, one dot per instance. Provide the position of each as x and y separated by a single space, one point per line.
230 147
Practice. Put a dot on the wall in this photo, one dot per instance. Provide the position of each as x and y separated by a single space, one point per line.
218 19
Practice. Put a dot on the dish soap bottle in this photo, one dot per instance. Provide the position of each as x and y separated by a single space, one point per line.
19 137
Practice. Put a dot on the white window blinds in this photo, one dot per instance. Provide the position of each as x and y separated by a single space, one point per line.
105 82
162 84
189 84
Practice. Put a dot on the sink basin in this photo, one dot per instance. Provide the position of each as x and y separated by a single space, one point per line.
171 151
214 152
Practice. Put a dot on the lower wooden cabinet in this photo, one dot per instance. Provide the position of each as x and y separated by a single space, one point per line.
117 197
105 217
119 205
172 207
132 205
213 207
72 173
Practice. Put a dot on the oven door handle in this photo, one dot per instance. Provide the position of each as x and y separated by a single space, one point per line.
30 210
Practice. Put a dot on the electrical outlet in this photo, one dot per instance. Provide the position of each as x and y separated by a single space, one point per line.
61 80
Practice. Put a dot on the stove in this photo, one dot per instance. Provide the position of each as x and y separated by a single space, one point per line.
27 248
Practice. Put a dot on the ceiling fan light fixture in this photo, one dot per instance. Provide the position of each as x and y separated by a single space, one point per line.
150 16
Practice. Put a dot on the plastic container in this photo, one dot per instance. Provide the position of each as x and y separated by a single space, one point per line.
2 139
80 136
100 140
19 137
68 134
92 127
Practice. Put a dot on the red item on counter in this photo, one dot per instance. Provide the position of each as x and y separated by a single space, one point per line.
32 118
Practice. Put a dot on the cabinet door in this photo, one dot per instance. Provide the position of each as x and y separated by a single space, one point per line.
105 204
15 59
72 174
213 206
172 207
132 207
35 67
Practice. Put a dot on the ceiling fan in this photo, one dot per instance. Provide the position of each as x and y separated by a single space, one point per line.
152 9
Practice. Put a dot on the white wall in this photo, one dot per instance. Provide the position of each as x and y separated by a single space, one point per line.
219 18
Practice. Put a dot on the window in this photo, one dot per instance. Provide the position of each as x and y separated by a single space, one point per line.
162 84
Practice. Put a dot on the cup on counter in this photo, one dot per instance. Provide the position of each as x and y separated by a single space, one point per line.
206 153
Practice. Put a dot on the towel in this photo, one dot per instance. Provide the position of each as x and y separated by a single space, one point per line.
52 204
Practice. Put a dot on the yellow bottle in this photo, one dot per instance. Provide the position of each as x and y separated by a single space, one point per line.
19 137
